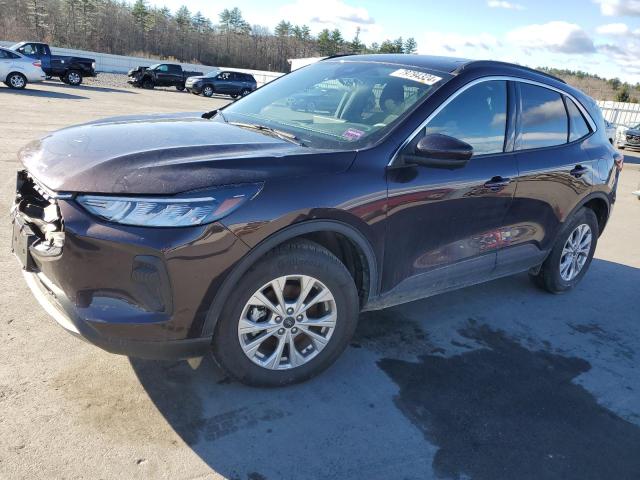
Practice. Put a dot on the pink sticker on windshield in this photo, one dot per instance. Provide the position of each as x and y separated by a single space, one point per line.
352 134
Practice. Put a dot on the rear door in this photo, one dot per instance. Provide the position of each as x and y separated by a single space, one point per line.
555 172
445 225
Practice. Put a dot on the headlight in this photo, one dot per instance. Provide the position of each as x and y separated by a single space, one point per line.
93 65
195 208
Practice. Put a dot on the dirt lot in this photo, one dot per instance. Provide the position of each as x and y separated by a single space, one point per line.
490 382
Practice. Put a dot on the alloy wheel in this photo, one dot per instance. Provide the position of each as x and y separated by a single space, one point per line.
74 78
575 252
17 81
287 322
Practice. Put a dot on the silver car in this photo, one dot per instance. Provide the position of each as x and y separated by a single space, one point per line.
16 70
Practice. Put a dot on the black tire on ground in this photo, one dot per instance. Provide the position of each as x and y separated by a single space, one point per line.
207 90
621 147
297 257
180 87
234 96
244 92
73 77
549 278
148 84
16 81
310 107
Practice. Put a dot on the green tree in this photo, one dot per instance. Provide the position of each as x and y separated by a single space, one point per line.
356 46
410 45
283 29
324 42
615 83
140 12
623 95
337 42
231 21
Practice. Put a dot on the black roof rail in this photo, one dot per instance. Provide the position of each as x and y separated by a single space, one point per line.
488 63
338 55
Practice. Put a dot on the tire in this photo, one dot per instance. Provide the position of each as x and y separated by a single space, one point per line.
295 259
234 96
552 277
73 77
16 81
621 147
207 90
310 107
147 83
244 92
180 88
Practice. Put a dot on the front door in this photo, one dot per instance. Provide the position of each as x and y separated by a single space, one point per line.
446 225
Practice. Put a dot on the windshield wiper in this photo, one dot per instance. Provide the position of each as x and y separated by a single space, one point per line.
281 134
213 113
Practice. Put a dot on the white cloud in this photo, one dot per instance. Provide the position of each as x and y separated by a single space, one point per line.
504 4
619 8
453 44
332 14
559 37
613 29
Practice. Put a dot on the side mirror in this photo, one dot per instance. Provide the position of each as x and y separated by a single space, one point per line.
441 151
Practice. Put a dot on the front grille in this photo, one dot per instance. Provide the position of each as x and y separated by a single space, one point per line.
37 207
633 138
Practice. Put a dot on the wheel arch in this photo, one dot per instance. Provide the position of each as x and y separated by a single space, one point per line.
601 206
312 230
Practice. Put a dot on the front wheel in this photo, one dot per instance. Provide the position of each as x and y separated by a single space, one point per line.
571 255
207 91
73 77
16 80
289 318
180 88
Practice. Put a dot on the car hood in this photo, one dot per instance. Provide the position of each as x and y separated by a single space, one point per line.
632 131
167 154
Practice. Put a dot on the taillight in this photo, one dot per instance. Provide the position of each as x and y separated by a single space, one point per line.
37 63
619 159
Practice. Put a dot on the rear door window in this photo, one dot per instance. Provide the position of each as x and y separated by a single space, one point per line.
477 116
543 118
578 127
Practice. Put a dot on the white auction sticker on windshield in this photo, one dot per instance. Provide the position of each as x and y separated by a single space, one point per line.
416 76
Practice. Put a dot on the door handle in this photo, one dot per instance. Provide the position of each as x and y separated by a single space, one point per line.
497 183
578 171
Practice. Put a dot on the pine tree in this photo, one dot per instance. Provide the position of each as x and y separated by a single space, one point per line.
356 46
410 45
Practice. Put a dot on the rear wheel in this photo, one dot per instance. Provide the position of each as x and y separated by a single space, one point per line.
73 77
244 92
16 80
571 255
207 90
290 317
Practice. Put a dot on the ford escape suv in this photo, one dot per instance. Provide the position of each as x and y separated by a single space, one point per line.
260 231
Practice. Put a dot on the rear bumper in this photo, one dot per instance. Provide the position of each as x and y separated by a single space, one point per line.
58 306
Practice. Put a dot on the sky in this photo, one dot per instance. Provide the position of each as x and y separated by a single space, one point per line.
597 36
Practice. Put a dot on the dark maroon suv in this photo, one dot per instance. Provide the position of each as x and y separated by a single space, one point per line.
260 231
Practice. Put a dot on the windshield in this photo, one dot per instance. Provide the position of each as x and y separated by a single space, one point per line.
154 66
337 104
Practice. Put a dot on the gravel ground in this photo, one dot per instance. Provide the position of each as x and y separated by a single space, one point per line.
113 80
496 381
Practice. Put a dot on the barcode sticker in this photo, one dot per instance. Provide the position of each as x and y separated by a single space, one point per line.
416 76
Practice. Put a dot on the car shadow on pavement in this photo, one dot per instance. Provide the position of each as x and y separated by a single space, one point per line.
631 159
32 92
479 383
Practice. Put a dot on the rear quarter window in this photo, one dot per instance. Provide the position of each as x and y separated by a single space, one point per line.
543 118
578 127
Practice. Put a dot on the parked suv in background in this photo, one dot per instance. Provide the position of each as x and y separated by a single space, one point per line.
235 84
260 232
16 70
